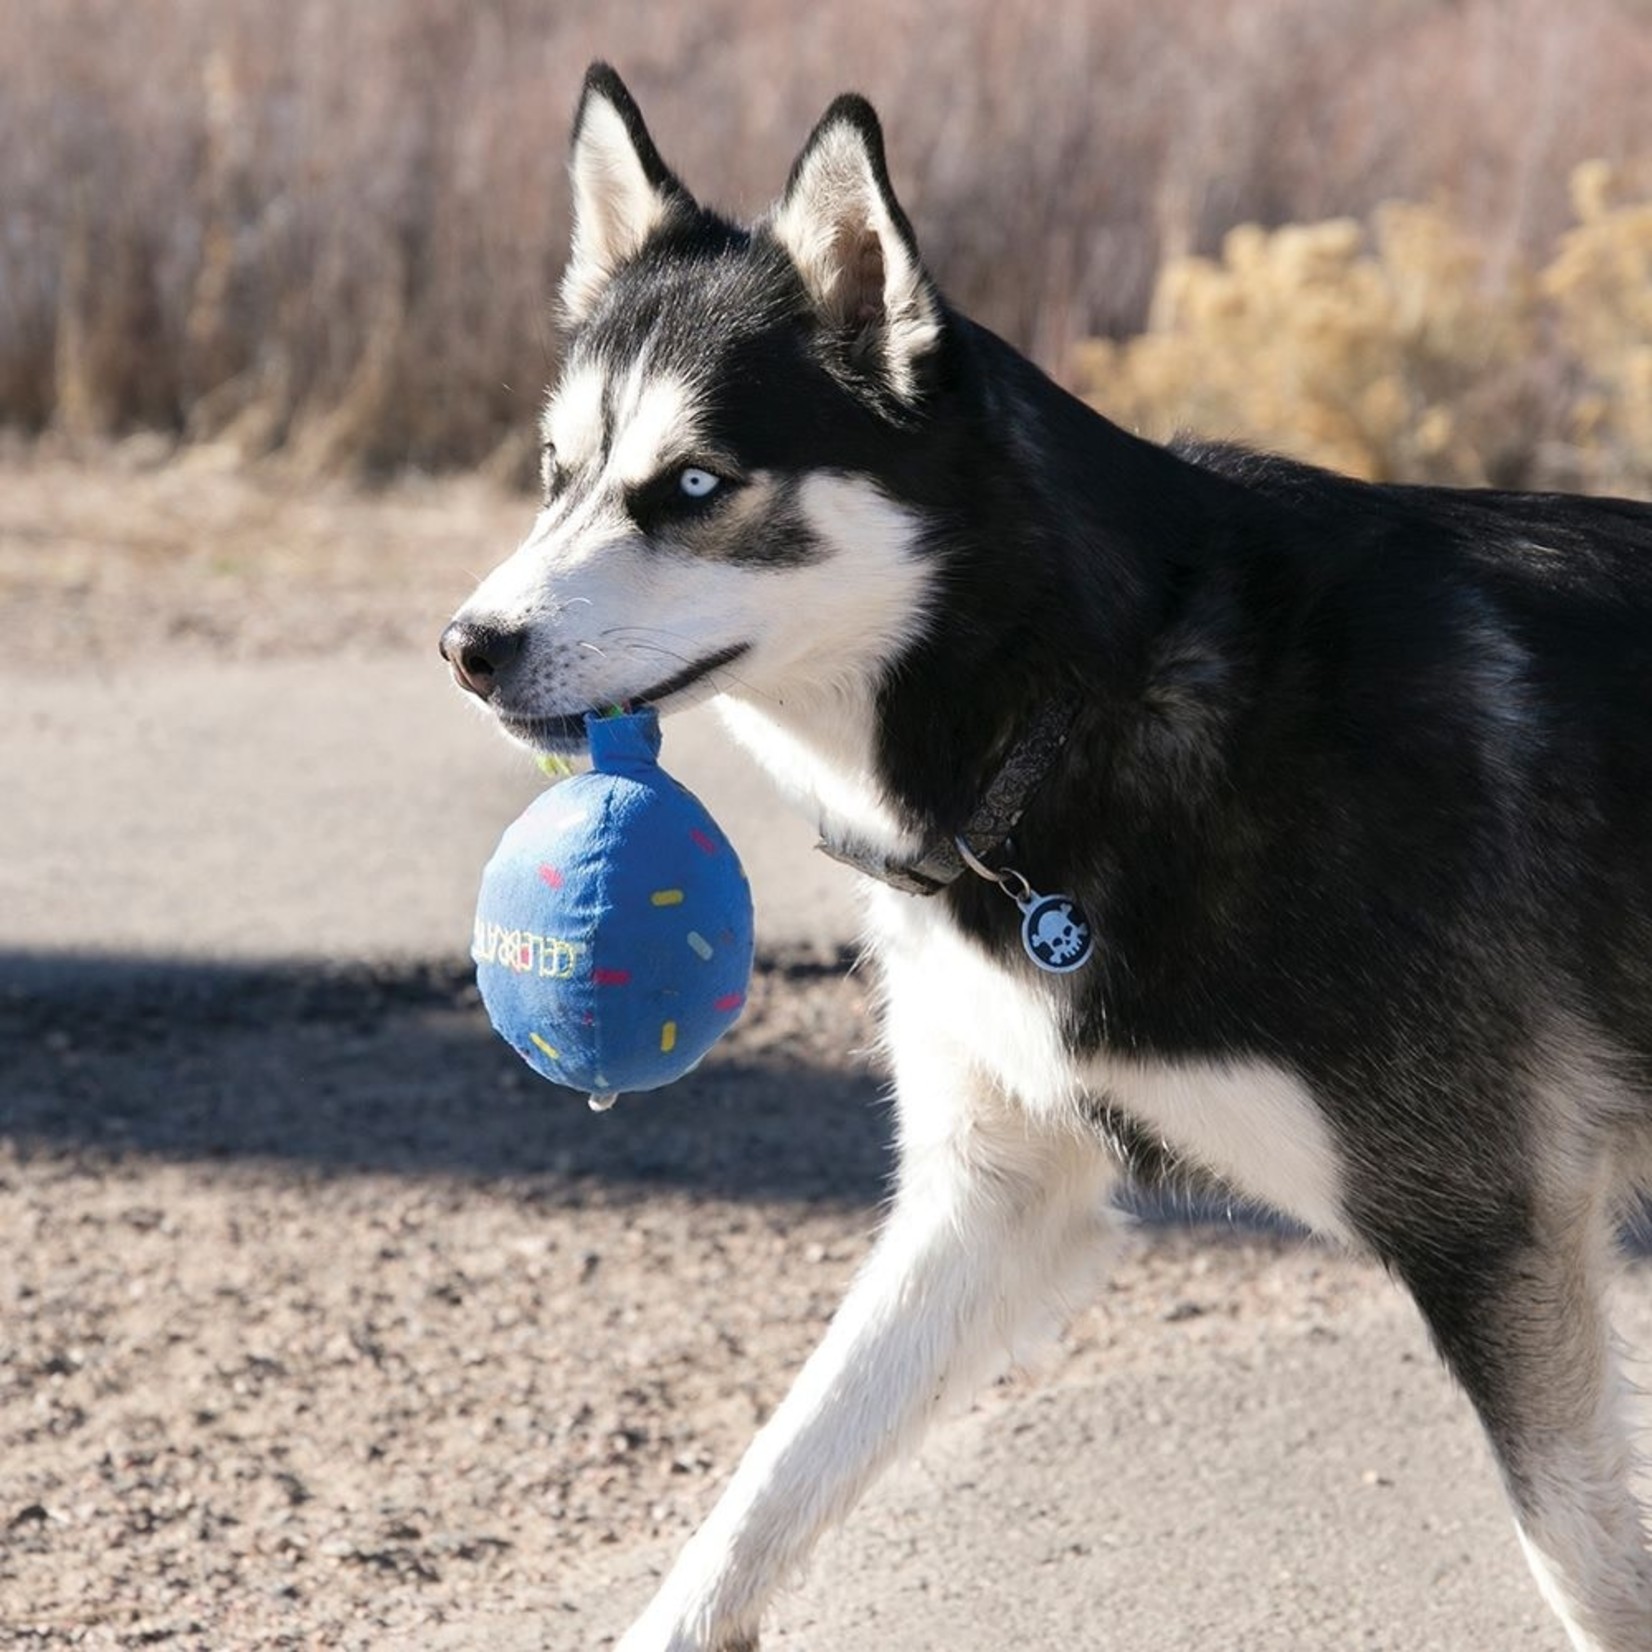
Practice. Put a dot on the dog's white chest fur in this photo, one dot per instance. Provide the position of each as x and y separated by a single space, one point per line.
1250 1121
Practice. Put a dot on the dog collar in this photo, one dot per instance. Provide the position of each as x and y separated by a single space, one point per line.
998 813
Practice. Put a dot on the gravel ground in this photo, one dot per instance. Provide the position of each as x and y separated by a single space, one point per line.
123 559
320 1315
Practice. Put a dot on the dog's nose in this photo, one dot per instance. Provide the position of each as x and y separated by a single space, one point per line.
478 653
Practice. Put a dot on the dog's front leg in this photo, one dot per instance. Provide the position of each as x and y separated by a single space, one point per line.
994 1213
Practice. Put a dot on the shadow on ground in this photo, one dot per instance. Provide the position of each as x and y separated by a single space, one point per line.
398 1070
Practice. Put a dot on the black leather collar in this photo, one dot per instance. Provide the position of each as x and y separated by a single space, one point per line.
1002 804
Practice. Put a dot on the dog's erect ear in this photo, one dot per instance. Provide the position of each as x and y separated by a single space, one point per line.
851 242
622 190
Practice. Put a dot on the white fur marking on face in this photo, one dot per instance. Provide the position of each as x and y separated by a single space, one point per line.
610 615
533 586
825 632
656 422
573 419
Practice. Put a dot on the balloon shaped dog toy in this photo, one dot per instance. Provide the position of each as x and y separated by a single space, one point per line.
613 938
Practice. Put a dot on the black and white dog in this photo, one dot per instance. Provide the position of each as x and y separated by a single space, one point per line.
1345 792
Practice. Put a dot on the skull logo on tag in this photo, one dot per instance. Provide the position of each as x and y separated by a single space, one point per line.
1055 934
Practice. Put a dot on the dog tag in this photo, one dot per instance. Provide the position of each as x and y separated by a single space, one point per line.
1054 932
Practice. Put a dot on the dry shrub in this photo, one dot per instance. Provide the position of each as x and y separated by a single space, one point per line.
1600 284
1384 363
1408 354
333 229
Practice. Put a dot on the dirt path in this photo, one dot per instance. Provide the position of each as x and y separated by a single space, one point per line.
121 560
320 1314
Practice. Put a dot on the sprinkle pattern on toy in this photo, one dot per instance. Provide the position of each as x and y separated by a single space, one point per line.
613 937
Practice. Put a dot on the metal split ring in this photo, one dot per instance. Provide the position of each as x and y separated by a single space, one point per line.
1007 878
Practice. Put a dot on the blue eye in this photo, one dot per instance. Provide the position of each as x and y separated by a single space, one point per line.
698 484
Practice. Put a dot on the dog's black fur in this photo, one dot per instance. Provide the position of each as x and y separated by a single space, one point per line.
1363 779
1362 786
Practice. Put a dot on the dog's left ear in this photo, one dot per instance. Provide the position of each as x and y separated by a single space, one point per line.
853 246
623 192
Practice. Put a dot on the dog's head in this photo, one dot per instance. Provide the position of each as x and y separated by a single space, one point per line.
736 451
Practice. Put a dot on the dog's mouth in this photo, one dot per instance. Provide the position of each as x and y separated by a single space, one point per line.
565 733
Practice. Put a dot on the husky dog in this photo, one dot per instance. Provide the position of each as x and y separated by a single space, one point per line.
1345 791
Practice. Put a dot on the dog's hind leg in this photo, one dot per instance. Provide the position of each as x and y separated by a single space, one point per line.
994 1214
1522 1324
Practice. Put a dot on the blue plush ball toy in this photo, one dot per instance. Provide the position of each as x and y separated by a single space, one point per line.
613 938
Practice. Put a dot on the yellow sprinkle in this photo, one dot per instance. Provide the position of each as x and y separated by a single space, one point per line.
667 897
668 1037
700 944
553 1054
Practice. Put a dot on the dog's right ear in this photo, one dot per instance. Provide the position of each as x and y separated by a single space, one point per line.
854 248
622 190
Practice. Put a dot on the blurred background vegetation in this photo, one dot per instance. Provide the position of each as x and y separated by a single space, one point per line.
1409 238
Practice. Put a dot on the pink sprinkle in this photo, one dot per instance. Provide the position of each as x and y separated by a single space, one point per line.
551 876
729 1001
611 977
702 840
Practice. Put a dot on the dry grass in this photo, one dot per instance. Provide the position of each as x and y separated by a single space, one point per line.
1411 353
332 229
